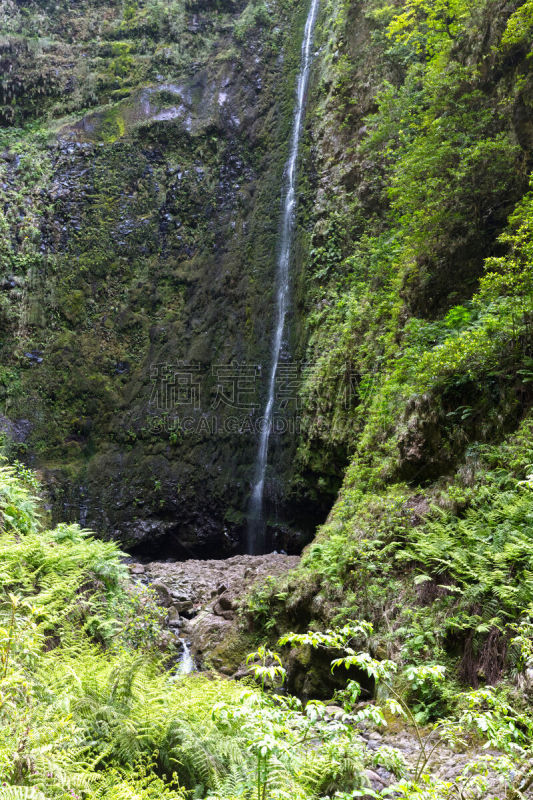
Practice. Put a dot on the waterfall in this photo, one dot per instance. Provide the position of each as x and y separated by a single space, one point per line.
256 522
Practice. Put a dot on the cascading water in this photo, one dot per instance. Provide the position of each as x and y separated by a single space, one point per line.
256 522
186 662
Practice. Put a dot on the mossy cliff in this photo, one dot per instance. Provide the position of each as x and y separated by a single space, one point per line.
418 301
143 147
412 185
142 163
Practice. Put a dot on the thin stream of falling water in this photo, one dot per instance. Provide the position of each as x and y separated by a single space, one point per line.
256 522
186 663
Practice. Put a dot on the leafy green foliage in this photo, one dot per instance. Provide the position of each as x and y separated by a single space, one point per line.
399 302
91 711
425 303
254 14
266 667
519 25
430 27
486 553
485 711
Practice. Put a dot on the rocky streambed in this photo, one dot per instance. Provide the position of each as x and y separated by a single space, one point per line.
202 598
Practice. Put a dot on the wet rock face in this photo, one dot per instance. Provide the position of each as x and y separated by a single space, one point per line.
140 257
203 598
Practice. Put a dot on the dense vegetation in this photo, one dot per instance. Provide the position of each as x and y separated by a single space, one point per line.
413 300
422 291
92 705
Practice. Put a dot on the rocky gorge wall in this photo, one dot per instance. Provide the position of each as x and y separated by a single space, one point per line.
418 289
397 238
143 146
142 155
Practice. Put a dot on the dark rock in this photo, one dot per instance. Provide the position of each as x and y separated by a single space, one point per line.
10 283
225 602
17 430
122 367
174 619
221 612
375 781
183 605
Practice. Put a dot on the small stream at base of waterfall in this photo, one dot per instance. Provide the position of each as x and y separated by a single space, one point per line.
186 663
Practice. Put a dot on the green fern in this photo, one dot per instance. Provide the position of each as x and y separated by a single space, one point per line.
20 793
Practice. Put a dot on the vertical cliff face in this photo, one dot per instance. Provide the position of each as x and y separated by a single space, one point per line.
419 149
417 298
143 146
141 171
